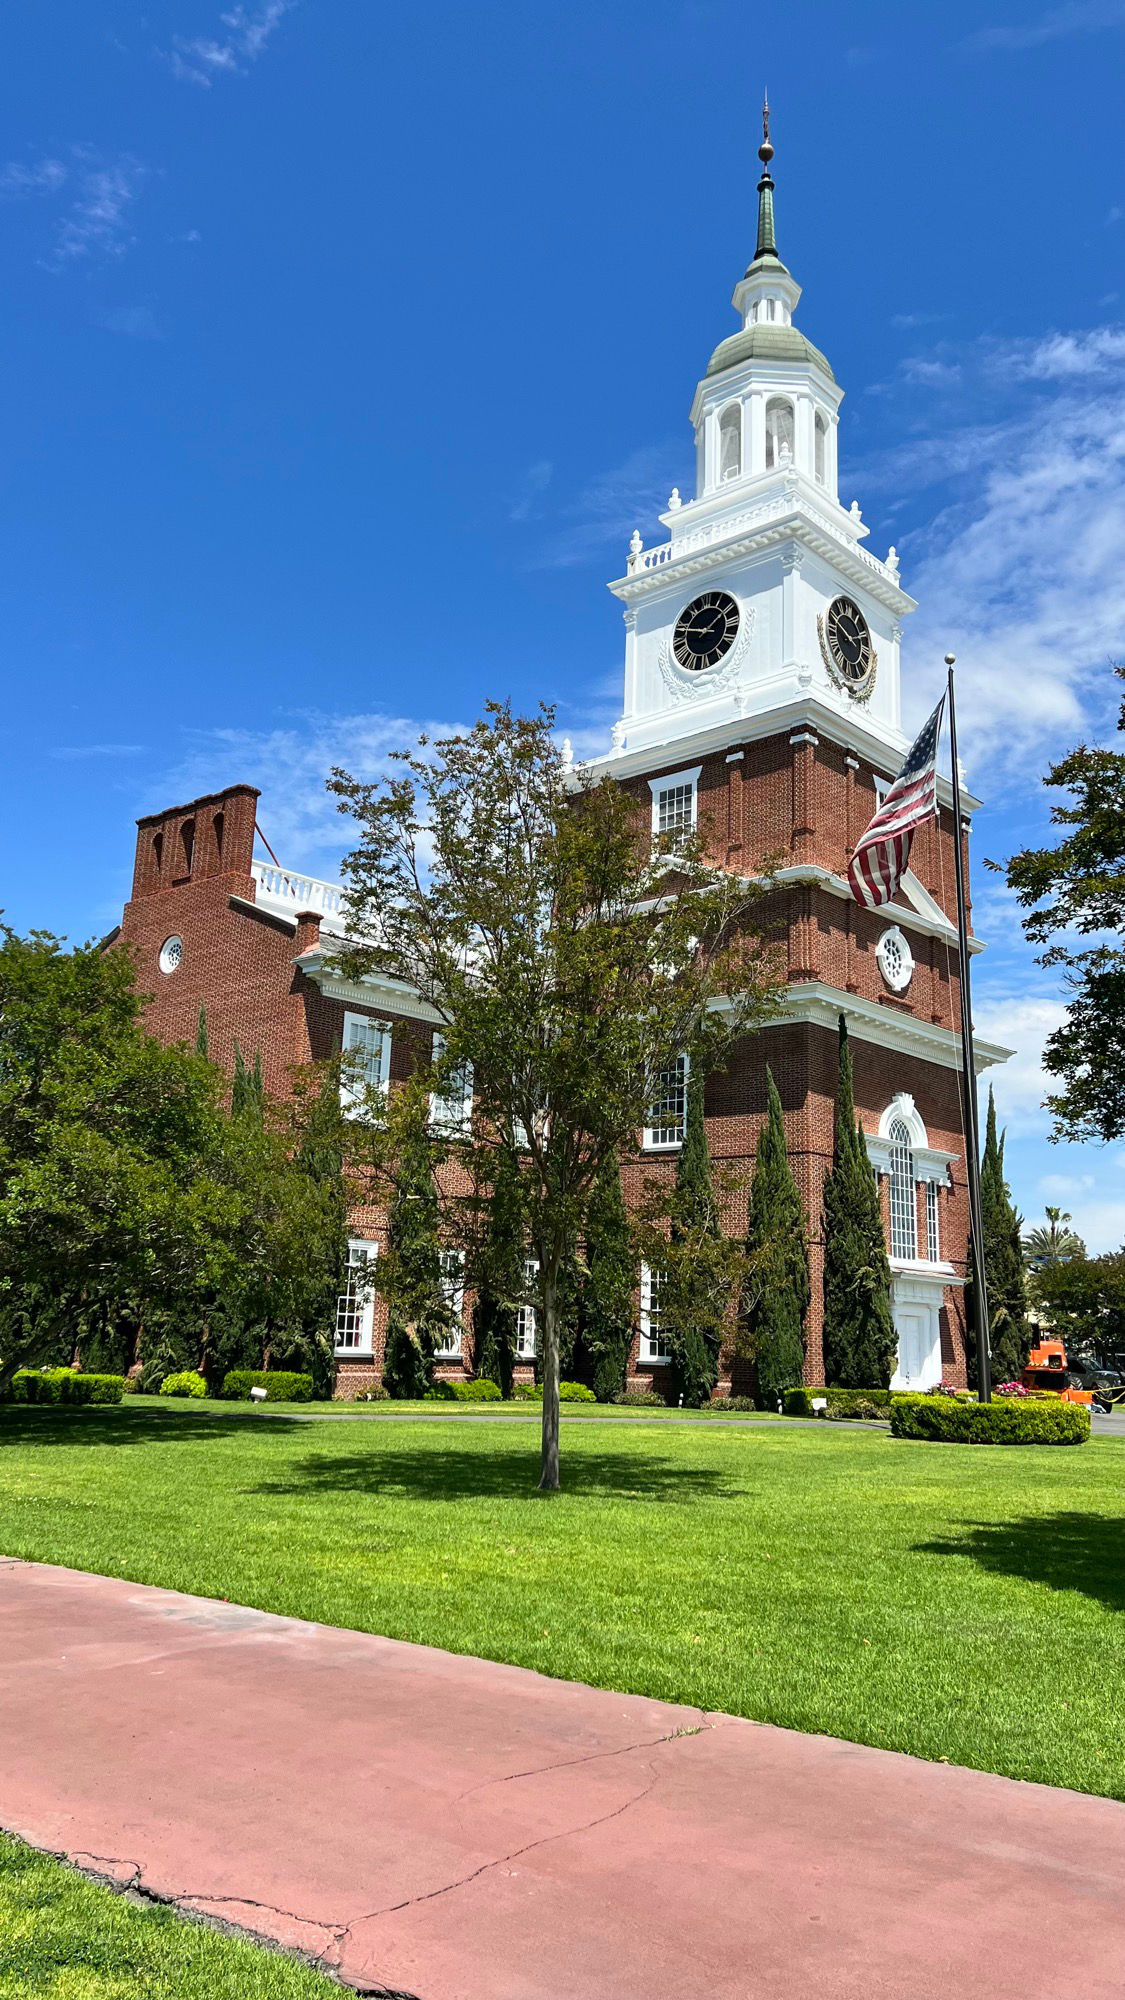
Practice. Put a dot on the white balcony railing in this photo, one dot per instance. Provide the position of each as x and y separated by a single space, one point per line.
279 889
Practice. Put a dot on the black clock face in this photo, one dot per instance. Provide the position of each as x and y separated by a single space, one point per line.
849 640
705 630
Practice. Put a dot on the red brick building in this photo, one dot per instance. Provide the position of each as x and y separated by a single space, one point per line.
762 708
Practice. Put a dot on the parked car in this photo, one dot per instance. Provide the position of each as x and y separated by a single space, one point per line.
1107 1384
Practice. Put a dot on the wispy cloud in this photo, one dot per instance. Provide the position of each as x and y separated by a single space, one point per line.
75 750
18 180
242 38
1079 17
603 515
95 199
533 485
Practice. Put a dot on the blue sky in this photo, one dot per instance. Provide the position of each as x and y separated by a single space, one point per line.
344 346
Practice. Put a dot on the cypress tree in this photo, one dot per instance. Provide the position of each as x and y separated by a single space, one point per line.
240 1084
695 1277
777 1255
500 1277
1009 1337
860 1343
408 1274
607 1295
202 1040
248 1090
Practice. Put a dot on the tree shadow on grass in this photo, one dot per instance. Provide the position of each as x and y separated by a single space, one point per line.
48 1424
1066 1551
449 1472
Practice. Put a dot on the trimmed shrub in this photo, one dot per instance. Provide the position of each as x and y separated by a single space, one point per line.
481 1390
64 1385
640 1399
854 1403
569 1392
374 1393
282 1385
938 1419
731 1403
187 1383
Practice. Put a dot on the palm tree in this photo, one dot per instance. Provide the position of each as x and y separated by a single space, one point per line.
1052 1242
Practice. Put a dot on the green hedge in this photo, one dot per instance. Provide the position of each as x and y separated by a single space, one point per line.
641 1399
374 1392
1011 1420
569 1392
856 1403
64 1385
479 1391
187 1383
280 1384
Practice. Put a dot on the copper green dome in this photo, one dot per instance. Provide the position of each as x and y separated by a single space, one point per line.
766 343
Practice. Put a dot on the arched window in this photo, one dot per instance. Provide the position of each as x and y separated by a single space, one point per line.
217 829
820 449
187 843
730 442
904 1213
779 433
157 851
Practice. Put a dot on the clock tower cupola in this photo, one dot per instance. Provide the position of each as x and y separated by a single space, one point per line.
762 603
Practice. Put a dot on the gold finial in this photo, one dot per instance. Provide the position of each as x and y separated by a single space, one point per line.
765 150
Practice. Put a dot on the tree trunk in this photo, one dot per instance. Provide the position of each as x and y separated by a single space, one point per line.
549 1467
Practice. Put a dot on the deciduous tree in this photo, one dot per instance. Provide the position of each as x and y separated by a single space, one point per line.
567 963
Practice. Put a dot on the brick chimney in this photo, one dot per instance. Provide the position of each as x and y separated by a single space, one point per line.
197 842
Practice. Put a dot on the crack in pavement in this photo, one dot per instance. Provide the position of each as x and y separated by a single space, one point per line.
591 1757
564 1833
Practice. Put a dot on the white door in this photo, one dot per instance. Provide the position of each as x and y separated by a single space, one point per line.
919 1352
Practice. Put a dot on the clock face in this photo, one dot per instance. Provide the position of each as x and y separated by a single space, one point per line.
849 641
706 629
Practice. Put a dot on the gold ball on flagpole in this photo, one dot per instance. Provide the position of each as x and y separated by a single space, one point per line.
951 659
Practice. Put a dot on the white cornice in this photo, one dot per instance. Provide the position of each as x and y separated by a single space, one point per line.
907 1034
781 521
848 731
372 989
899 913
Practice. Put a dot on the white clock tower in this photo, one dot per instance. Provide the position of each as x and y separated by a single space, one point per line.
768 548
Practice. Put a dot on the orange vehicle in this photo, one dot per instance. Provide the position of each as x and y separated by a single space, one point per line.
1046 1369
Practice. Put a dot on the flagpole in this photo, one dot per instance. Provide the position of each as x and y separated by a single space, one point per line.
969 1075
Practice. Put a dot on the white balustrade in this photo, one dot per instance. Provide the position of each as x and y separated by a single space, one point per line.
279 888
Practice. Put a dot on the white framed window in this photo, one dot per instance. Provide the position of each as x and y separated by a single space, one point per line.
933 1222
668 1114
525 1313
675 805
453 1290
904 1213
654 1345
355 1305
451 1110
367 1060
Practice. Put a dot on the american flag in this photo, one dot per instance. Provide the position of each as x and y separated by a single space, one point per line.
879 862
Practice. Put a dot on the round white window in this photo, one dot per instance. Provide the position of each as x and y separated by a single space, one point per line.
171 952
896 960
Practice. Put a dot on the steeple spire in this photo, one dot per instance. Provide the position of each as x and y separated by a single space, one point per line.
767 242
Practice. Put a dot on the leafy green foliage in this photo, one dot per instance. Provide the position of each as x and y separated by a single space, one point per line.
568 964
1080 888
1008 1420
841 1402
860 1343
1083 1302
138 1222
408 1273
187 1383
609 1290
64 1385
776 1288
280 1384
569 1392
479 1390
1052 1241
1009 1339
699 1267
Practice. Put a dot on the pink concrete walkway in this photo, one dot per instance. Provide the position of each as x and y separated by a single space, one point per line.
456 1830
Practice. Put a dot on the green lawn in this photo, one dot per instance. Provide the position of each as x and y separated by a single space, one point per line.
960 1603
613 1413
63 1938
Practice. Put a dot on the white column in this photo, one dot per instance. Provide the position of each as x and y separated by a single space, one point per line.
832 461
803 435
711 449
630 662
756 461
